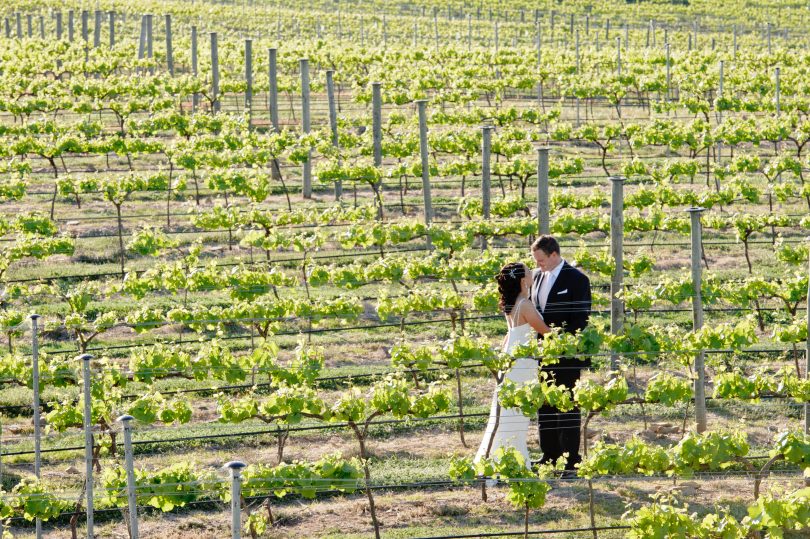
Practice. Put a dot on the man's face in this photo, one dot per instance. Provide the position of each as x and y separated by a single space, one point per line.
546 262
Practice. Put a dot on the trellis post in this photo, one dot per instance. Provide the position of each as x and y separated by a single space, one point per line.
543 222
37 411
132 499
88 442
617 253
195 98
697 318
423 153
330 97
214 73
249 79
235 468
169 50
305 126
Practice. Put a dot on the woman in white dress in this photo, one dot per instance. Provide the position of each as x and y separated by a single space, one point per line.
523 323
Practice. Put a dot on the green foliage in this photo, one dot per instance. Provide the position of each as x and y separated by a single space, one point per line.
526 487
668 390
532 395
424 300
794 447
559 343
331 472
735 385
395 396
164 489
695 452
775 514
149 240
600 397
632 457
640 341
662 518
709 451
31 498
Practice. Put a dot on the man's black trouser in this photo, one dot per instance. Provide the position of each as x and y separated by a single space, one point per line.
559 431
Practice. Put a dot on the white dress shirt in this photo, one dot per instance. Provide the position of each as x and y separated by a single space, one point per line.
546 282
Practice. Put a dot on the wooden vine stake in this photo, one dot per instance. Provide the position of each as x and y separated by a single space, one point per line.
697 320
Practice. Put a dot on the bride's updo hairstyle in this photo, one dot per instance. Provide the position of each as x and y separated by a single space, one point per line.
509 285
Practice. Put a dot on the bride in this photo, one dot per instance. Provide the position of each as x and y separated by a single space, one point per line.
524 323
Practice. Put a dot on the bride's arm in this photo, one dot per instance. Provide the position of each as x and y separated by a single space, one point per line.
535 320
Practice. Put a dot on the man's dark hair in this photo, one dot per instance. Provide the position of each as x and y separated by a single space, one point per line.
547 244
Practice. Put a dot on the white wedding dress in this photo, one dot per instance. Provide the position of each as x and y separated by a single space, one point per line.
513 426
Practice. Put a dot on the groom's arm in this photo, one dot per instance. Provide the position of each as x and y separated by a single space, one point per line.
580 304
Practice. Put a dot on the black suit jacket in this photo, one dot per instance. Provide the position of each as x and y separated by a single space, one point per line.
568 305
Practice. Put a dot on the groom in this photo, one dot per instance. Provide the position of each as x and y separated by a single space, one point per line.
562 294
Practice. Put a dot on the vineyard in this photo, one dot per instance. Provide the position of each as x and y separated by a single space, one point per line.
248 253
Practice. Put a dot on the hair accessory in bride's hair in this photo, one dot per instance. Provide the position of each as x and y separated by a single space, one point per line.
510 285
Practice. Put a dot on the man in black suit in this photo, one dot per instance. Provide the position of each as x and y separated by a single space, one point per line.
562 294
